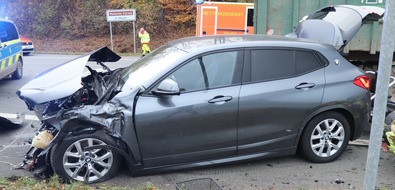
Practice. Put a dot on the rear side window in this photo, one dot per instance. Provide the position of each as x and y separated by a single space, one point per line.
306 61
8 32
271 64
274 64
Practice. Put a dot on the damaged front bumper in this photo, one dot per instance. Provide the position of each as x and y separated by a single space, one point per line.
37 158
74 105
86 119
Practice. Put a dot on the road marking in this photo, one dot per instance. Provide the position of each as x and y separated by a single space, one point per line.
14 116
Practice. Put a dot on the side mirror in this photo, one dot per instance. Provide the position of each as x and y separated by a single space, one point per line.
167 87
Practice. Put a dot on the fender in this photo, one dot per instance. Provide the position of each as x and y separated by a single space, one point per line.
336 108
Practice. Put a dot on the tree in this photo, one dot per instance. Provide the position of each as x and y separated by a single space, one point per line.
82 18
149 15
179 12
239 1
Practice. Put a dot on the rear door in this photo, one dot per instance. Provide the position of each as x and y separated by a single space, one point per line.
281 87
209 20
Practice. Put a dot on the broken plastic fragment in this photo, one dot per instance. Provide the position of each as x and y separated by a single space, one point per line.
42 140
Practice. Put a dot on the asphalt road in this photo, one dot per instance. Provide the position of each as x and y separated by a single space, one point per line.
292 172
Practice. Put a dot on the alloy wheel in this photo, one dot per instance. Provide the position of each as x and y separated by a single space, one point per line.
87 166
327 137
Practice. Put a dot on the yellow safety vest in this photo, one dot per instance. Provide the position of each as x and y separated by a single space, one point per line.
144 37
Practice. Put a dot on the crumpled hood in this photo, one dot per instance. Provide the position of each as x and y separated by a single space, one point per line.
63 80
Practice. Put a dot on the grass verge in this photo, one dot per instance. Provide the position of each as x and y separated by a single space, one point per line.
53 183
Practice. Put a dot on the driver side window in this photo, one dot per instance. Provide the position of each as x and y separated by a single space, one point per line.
209 71
189 77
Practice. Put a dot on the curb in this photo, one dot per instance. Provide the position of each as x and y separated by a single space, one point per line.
359 142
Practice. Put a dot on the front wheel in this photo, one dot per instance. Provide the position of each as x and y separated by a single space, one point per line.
71 161
19 70
325 138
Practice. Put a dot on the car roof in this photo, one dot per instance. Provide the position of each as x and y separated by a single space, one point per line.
200 43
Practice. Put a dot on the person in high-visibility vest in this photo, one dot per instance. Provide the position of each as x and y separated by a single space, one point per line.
145 39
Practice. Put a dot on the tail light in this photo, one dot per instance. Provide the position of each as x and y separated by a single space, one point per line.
362 81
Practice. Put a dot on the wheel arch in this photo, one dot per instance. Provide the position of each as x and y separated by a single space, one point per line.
341 110
57 158
21 58
77 127
74 125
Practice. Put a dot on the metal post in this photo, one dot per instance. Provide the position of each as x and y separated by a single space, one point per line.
134 37
112 47
380 102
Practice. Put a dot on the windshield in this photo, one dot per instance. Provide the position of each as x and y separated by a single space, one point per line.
151 65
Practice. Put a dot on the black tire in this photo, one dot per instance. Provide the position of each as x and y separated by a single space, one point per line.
316 149
26 53
85 162
19 70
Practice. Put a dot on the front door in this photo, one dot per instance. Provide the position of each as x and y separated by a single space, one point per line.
200 123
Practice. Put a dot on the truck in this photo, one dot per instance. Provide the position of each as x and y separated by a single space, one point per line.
224 18
280 17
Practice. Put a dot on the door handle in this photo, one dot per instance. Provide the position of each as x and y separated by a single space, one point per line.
305 86
220 98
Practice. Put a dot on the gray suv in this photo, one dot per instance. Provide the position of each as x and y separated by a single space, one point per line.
197 101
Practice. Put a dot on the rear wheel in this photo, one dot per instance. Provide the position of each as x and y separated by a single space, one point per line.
71 161
19 70
325 138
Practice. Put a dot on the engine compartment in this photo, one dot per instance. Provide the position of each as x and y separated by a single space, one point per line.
96 88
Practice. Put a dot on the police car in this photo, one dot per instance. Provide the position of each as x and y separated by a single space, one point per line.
11 63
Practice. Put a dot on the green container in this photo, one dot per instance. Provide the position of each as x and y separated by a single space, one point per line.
279 17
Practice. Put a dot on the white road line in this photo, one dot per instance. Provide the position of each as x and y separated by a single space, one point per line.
14 116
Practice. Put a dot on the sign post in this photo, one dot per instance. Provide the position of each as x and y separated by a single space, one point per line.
122 15
112 47
380 101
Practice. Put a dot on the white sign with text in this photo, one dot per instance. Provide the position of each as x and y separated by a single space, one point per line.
121 15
